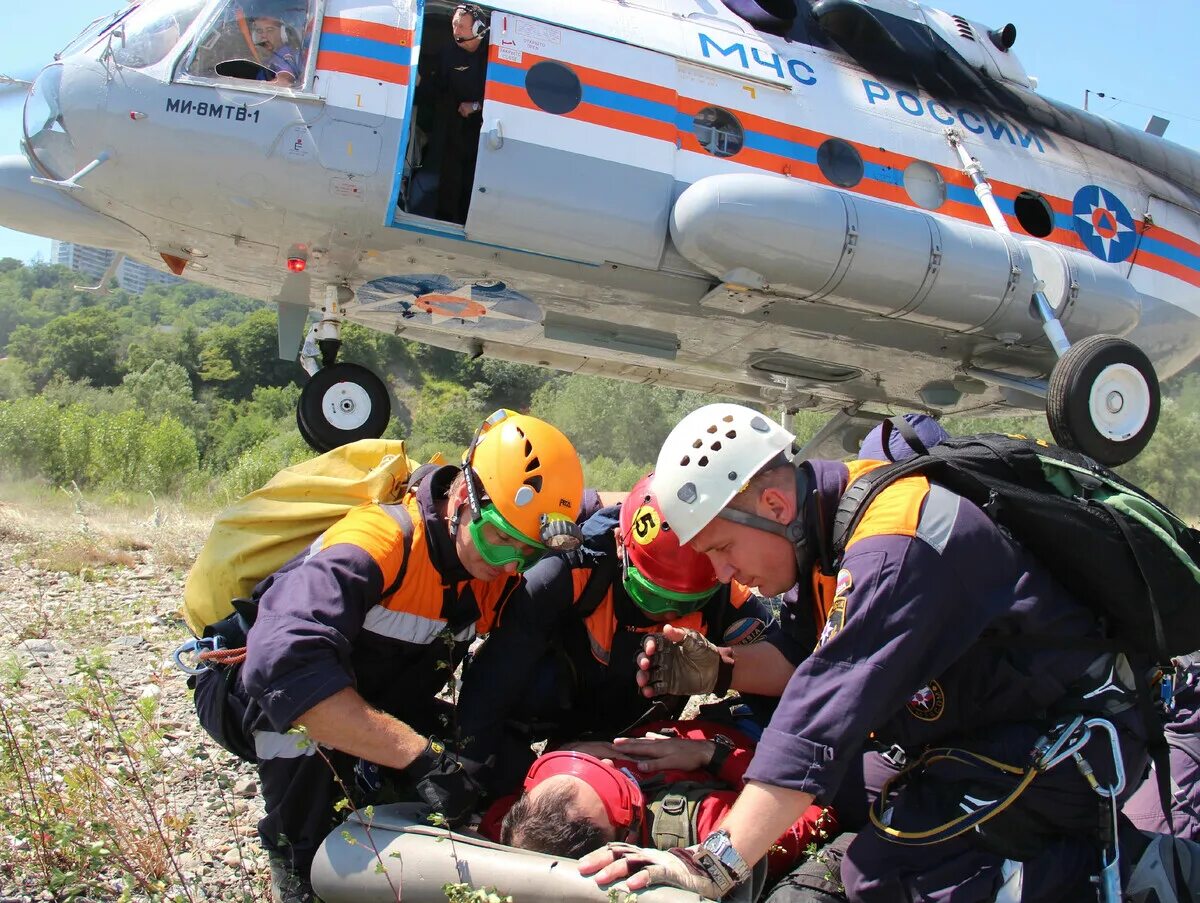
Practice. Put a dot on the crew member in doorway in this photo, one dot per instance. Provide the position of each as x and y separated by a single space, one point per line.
459 80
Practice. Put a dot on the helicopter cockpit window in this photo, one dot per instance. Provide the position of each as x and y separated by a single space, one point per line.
151 31
265 41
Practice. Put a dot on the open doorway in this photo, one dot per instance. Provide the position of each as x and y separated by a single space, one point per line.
447 114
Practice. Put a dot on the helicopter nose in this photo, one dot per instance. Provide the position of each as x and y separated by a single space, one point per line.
45 132
41 210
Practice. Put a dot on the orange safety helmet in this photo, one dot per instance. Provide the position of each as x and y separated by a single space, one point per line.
531 474
660 574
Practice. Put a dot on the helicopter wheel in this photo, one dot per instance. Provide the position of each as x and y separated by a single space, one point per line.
341 404
1103 399
302 428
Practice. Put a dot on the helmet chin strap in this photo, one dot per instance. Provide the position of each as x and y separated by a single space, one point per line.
795 532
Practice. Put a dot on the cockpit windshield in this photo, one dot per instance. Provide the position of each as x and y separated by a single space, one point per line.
266 41
92 31
149 32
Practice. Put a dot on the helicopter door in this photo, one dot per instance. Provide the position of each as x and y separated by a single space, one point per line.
363 72
576 152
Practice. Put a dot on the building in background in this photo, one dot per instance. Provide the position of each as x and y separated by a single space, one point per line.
132 276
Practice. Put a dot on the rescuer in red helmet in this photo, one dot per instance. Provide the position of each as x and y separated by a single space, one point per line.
560 663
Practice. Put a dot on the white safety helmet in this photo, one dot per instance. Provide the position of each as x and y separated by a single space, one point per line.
709 458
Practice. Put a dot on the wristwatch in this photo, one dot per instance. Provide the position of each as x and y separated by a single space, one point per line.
475 106
722 748
724 865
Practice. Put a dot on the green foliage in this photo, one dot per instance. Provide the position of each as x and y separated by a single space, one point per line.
445 418
163 389
615 476
126 450
603 417
81 345
14 380
73 814
259 463
180 389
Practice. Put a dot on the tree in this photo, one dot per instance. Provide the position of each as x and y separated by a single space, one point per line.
610 418
79 345
163 389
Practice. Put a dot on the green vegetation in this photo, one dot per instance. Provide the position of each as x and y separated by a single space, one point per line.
179 391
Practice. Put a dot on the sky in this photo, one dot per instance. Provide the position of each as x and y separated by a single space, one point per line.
1144 62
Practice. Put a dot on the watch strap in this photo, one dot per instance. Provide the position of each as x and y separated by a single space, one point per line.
720 846
723 747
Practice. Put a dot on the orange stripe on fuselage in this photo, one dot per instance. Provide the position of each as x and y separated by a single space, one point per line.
332 61
769 162
375 31
590 113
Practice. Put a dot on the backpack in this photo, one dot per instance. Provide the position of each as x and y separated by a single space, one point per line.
673 812
264 530
1112 545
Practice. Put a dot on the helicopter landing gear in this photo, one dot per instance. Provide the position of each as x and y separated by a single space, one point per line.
1103 396
340 403
1103 399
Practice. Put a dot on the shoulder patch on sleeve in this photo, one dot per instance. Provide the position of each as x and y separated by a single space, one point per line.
744 631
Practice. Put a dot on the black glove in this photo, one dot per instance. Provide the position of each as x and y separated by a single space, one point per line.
689 667
443 782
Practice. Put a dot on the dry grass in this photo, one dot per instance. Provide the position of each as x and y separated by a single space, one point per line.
81 534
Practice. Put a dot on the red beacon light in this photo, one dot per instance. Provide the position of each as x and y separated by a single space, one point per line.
297 264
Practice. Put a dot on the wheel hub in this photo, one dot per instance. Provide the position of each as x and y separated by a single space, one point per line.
346 405
1119 402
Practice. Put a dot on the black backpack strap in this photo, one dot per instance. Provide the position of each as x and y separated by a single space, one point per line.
859 495
597 585
418 476
906 431
399 513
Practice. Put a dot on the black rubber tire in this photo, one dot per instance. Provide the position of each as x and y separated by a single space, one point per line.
320 427
302 427
1068 407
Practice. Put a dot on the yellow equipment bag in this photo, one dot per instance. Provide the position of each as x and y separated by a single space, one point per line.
261 532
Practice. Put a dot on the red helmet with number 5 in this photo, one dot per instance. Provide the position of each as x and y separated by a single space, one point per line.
659 574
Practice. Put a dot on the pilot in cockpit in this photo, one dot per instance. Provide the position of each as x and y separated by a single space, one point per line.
277 55
260 40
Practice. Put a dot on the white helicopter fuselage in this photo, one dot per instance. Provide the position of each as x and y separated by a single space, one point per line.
661 194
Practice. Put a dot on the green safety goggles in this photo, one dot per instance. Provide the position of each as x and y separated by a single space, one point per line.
654 600
522 550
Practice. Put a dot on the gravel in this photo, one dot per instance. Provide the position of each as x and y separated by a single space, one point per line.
48 618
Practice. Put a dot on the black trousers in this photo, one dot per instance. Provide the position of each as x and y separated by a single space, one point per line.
300 782
460 152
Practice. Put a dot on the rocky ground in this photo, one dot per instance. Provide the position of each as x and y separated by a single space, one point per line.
108 788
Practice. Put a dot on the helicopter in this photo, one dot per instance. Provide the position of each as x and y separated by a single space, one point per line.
844 205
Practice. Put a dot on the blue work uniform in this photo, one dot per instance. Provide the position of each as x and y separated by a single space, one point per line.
919 647
549 671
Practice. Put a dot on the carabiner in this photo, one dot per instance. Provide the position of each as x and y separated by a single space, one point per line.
195 646
1047 753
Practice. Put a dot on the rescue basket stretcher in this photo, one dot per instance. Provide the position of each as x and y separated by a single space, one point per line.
417 859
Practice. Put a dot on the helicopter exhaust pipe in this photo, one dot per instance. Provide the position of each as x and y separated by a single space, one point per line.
820 244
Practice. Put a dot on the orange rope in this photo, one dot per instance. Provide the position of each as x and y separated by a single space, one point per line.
224 656
245 29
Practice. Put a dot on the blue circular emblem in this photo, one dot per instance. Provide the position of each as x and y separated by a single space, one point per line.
1103 223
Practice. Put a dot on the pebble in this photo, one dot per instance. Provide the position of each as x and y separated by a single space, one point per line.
38 647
